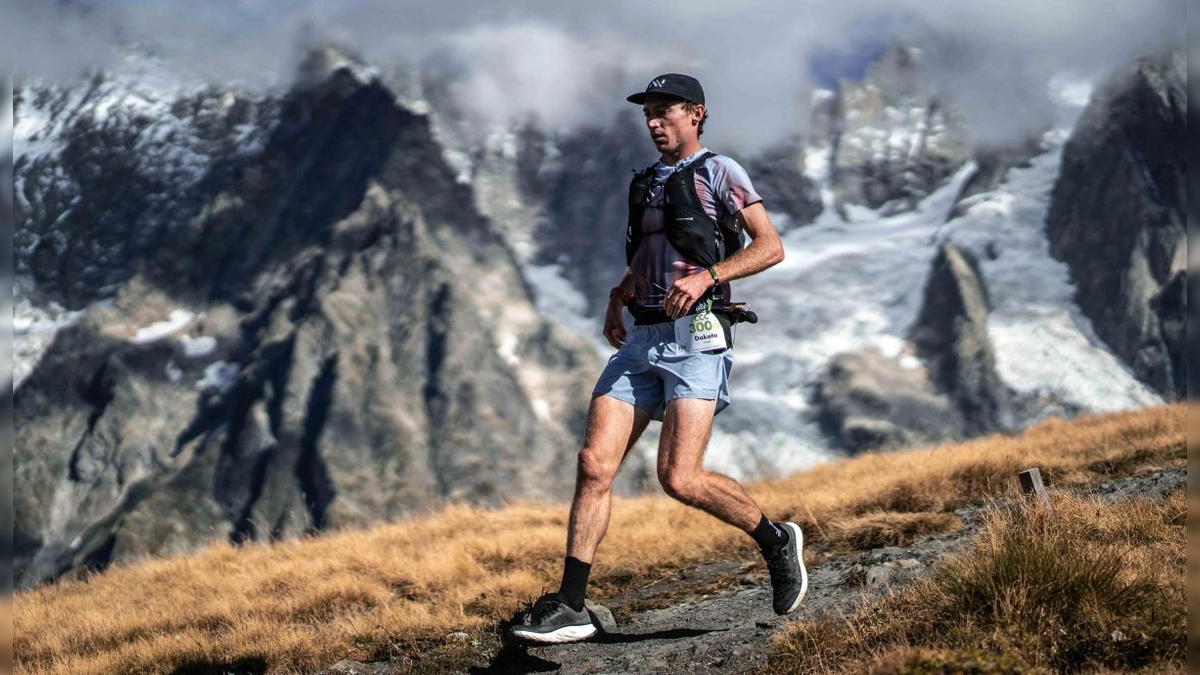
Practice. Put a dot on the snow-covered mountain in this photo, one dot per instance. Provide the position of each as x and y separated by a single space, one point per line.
321 331
247 314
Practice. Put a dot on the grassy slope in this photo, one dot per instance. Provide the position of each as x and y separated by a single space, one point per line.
1096 586
397 590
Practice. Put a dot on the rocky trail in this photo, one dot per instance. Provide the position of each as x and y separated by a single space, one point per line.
717 618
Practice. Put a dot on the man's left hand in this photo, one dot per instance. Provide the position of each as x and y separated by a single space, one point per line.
685 292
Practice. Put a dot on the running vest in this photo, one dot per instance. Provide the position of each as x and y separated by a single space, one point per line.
696 236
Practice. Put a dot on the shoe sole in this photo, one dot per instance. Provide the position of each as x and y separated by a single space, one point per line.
559 636
799 538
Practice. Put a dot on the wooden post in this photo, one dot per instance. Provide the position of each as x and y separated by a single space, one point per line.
1031 484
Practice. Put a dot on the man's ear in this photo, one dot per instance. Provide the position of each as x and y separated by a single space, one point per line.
697 114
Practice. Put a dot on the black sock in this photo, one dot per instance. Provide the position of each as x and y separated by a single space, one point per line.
768 535
574 582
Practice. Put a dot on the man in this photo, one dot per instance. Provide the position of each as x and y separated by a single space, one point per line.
683 246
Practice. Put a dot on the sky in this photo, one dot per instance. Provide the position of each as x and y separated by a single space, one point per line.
566 64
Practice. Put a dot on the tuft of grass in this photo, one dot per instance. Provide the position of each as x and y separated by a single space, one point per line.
891 529
396 591
1095 587
952 662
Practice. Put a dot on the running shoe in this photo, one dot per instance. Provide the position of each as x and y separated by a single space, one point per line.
789 579
552 621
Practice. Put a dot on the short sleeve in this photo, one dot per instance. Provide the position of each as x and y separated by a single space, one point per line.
731 184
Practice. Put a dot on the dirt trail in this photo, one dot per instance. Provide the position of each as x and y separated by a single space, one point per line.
717 618
729 631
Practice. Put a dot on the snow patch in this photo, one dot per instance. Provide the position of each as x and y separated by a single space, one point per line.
1043 342
219 377
557 299
33 330
845 286
196 347
161 329
508 350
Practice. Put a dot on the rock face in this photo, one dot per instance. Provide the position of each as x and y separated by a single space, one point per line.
951 337
780 180
583 190
895 140
122 162
337 337
942 386
1117 218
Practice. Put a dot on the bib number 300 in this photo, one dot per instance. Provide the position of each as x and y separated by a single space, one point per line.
699 333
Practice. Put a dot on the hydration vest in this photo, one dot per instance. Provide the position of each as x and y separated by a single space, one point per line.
689 229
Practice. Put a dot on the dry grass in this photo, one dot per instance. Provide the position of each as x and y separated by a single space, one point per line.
1096 587
6 635
397 590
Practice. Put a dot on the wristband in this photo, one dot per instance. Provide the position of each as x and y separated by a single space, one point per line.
713 273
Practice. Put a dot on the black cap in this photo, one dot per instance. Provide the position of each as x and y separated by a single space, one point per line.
685 87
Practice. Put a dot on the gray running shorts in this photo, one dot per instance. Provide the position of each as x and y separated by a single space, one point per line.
649 370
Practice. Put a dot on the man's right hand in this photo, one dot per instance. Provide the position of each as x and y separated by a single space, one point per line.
614 322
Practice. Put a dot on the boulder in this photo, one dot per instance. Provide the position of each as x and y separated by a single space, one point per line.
868 401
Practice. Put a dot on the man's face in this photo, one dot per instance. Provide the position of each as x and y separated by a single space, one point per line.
670 124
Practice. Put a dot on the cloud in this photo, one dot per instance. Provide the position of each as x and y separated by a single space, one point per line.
567 63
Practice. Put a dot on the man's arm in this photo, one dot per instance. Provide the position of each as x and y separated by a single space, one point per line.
765 250
614 316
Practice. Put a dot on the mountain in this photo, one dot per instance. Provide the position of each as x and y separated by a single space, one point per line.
895 139
1117 218
316 330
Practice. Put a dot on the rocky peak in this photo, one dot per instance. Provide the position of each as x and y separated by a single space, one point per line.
951 337
1117 217
333 67
941 385
322 332
895 138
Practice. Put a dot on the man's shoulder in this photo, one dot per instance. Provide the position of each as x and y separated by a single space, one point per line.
723 168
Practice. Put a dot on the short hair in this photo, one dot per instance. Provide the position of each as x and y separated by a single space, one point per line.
690 107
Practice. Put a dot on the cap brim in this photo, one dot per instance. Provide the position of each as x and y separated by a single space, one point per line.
638 98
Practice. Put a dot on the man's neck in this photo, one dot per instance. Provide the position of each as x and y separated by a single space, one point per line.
684 151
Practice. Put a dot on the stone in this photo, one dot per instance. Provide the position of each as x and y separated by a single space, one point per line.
878 577
602 617
868 401
348 667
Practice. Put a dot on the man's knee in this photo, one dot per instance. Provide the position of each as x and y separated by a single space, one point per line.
681 486
595 468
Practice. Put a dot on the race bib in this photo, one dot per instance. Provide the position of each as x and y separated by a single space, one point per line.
699 333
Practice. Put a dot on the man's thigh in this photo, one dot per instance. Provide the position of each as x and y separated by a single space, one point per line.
687 424
613 425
